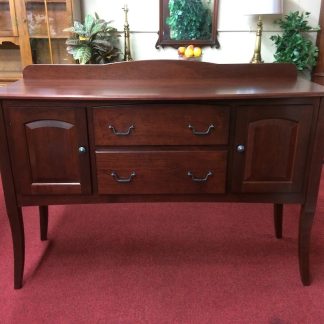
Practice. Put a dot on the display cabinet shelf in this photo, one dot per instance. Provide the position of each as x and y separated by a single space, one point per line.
48 1
10 76
45 37
9 39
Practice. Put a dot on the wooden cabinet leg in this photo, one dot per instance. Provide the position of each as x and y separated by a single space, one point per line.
305 227
43 220
14 212
277 217
18 239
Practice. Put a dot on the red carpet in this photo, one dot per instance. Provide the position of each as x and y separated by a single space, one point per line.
162 263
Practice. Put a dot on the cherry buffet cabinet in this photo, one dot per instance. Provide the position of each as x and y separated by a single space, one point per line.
161 131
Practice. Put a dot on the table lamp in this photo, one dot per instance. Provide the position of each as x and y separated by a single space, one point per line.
261 7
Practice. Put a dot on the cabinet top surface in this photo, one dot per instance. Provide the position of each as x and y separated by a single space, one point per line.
161 80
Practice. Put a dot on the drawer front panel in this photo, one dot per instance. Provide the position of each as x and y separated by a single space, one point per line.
161 125
161 172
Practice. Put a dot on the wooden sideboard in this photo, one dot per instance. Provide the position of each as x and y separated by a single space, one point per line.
161 131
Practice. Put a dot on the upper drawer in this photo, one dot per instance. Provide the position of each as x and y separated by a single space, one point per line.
161 124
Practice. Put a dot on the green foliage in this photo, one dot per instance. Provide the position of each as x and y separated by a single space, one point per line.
93 42
294 46
189 20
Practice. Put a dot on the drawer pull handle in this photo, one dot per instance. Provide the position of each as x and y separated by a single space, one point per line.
117 133
207 132
193 178
123 180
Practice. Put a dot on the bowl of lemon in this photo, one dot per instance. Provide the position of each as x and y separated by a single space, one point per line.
190 52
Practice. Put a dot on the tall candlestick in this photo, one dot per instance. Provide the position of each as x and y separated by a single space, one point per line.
127 51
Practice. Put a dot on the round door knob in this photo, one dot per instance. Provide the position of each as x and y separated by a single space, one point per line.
82 149
240 148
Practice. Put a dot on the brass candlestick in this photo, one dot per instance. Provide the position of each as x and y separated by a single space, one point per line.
257 49
127 51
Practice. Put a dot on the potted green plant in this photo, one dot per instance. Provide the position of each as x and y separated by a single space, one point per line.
189 20
93 42
294 45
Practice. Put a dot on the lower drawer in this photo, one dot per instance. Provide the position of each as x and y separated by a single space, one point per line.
161 172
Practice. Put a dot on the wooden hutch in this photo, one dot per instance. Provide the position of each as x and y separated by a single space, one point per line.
31 31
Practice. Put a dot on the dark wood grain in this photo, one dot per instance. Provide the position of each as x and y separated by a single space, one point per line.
161 172
275 133
160 80
308 209
13 209
57 110
165 90
156 124
284 198
154 70
44 149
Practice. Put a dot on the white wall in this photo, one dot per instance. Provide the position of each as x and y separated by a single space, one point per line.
236 31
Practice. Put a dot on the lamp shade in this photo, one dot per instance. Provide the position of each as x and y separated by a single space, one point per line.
263 7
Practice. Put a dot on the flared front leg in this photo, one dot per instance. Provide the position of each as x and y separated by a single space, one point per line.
304 237
18 239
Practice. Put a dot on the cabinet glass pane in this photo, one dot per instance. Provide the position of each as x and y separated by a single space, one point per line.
41 51
60 55
10 66
58 18
5 19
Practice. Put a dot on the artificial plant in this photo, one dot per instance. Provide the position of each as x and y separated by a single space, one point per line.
294 45
94 42
189 20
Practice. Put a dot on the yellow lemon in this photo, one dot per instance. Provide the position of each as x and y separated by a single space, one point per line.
197 52
181 50
189 52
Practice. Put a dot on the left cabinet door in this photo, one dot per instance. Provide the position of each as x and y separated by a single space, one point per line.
49 149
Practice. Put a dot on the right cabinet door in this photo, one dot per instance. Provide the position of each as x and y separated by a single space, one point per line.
271 146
